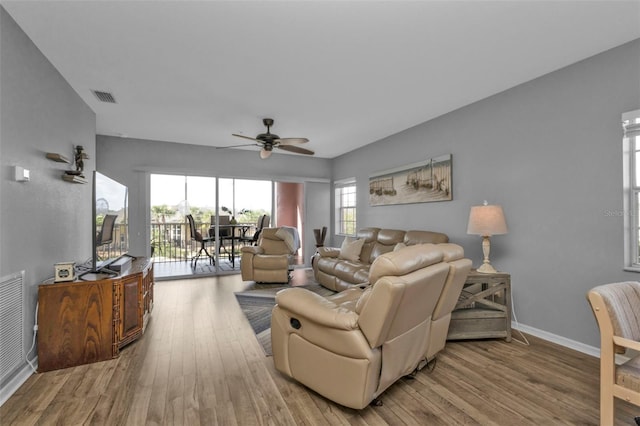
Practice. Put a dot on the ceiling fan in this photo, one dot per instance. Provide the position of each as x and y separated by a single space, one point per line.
268 141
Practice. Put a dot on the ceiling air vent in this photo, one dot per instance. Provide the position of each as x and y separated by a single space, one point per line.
104 96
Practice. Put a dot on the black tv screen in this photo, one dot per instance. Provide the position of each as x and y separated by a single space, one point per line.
110 222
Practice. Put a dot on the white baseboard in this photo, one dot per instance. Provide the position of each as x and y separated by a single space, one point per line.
571 344
18 380
563 341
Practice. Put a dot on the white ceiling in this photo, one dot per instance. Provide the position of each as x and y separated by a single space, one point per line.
343 74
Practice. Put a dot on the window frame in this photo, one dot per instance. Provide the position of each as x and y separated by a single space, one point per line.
631 198
342 225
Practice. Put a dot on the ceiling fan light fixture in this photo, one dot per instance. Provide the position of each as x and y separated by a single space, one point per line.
264 154
269 140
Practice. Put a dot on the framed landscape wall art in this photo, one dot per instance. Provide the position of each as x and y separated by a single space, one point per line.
422 182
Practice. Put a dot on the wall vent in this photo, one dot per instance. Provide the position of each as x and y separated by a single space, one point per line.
104 96
11 323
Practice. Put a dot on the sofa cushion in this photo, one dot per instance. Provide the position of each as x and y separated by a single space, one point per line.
405 261
328 264
390 237
348 270
399 246
387 239
370 236
422 237
351 248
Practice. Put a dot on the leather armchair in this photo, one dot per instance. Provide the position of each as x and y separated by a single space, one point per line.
270 260
350 347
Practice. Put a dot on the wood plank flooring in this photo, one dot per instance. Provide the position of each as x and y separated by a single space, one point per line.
199 363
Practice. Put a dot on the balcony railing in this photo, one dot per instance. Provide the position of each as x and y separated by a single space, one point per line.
171 242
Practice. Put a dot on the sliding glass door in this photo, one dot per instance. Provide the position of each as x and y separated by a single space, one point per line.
246 200
172 197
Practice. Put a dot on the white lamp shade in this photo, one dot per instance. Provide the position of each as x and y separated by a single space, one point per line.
486 221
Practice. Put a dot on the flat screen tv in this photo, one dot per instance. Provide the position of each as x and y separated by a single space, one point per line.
110 224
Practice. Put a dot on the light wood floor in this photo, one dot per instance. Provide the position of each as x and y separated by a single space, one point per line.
199 363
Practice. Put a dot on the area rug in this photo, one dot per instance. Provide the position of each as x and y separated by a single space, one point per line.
257 303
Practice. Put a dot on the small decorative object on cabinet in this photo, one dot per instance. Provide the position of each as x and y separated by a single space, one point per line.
64 271
81 322
483 309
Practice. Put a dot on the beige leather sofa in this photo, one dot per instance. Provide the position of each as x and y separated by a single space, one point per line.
339 274
270 261
350 347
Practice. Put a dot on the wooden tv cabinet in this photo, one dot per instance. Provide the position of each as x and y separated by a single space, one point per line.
81 322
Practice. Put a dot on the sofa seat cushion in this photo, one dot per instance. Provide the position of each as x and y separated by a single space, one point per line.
353 272
328 264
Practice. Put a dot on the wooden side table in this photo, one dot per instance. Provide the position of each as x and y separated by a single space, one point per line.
483 309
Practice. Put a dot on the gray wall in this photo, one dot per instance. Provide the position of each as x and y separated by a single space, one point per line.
550 152
131 160
46 220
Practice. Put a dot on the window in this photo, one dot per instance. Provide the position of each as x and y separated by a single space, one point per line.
346 207
631 208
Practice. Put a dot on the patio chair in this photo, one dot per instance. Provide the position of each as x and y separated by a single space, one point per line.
225 233
203 241
262 222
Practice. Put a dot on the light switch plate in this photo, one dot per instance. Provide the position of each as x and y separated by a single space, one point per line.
21 174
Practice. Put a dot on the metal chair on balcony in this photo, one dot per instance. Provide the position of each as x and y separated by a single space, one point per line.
225 233
262 222
203 241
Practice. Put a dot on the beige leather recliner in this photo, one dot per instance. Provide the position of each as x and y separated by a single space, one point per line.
270 261
459 268
352 346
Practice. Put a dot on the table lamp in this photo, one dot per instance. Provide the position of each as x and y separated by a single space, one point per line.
486 221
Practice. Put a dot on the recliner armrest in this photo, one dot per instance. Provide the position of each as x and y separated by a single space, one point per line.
308 305
328 251
252 249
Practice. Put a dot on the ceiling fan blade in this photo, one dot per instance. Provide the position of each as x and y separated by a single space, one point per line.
237 146
291 141
245 137
264 154
296 149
